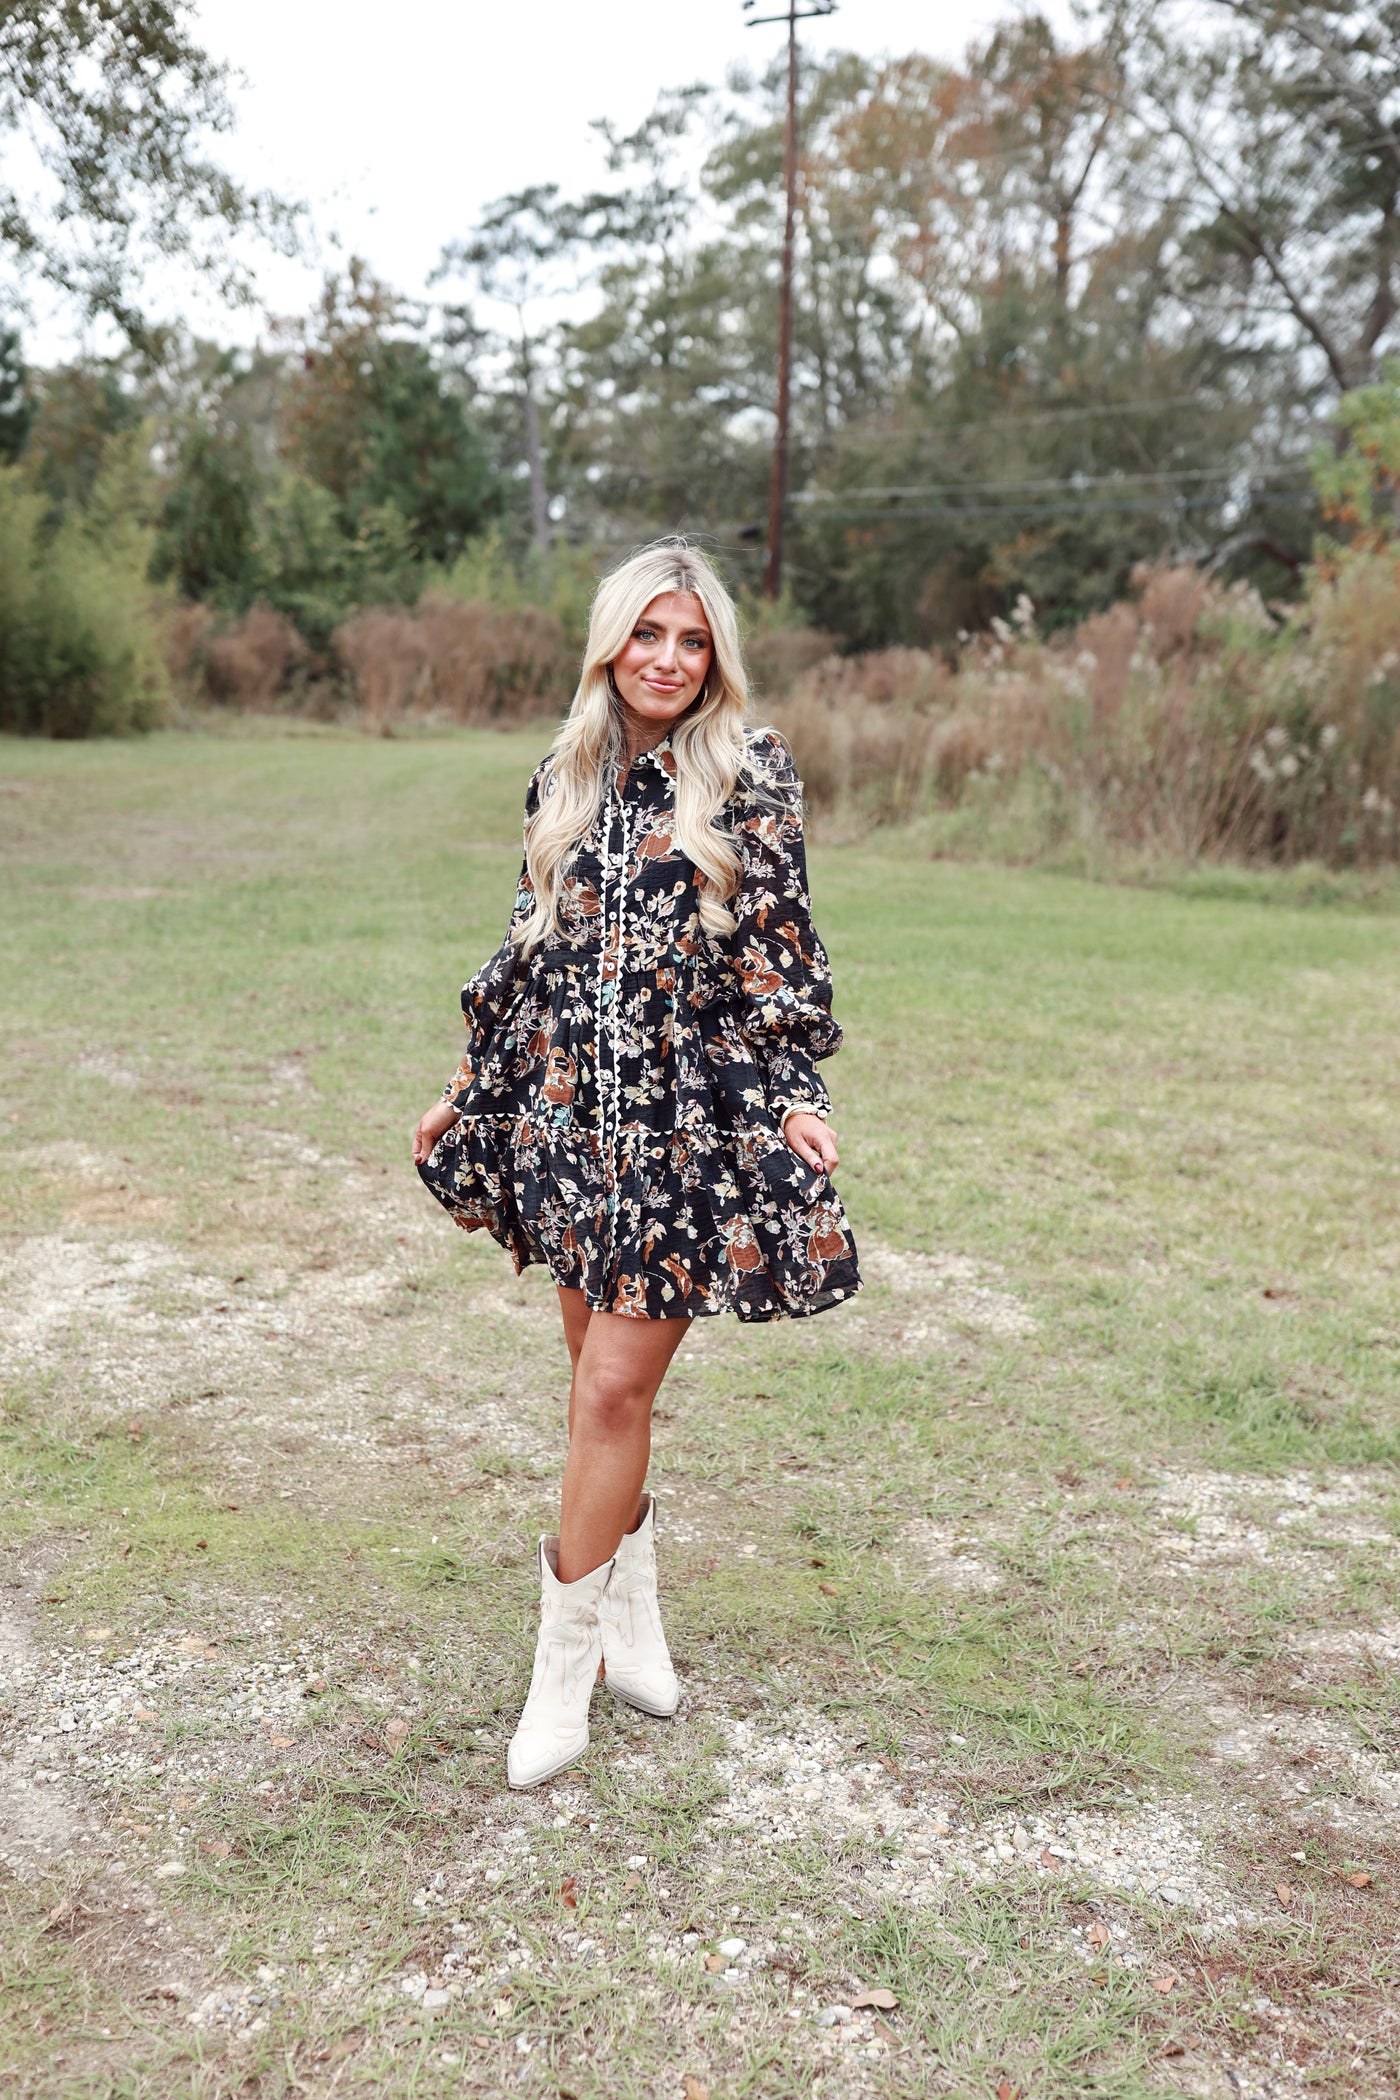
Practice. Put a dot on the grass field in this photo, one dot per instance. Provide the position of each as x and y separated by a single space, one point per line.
1039 1614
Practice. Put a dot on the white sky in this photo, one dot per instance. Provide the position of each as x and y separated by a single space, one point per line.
396 124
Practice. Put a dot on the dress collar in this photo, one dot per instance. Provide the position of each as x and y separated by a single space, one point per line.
654 756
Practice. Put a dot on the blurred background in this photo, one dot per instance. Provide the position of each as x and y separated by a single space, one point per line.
332 368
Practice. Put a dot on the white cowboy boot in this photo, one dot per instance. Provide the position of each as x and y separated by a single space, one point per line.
553 1729
635 1656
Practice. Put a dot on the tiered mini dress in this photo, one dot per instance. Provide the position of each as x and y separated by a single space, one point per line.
623 1089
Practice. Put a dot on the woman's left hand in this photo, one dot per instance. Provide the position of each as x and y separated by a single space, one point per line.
812 1140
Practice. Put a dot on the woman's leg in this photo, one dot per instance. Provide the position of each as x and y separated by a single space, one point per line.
573 1308
619 1364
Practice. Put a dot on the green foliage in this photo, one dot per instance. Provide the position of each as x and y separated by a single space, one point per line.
372 418
119 101
559 580
312 568
78 645
81 408
16 401
1359 482
208 544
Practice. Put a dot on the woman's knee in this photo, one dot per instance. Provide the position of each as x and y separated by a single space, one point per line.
609 1404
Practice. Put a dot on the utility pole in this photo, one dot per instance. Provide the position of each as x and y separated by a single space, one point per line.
777 500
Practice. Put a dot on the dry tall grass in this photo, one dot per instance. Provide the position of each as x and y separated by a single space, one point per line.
462 662
1190 723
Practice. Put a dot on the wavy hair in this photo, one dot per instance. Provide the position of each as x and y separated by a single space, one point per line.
708 740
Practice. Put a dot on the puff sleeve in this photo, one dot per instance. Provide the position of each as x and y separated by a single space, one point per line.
780 964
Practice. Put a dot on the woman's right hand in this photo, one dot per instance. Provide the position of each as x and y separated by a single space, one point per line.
441 1116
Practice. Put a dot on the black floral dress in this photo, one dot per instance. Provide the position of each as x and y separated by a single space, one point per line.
623 1088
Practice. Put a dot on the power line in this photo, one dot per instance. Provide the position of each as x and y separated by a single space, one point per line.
879 493
1287 499
1148 403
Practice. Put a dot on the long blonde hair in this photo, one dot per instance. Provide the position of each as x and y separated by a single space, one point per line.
708 742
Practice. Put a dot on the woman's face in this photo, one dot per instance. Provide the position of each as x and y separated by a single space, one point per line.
664 662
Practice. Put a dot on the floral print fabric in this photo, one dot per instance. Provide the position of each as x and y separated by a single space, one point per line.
623 1088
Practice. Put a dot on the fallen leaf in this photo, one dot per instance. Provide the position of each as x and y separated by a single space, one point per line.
134 1430
694 2088
312 1686
715 1962
97 1633
201 1545
1284 1894
59 1915
1173 2049
195 1644
395 1732
282 1742
878 2000
1166 1983
1359 1880
346 2046
1122 1486
1024 1940
1048 1859
570 1900
145 1713
1007 2091
885 2034
371 1742
215 1848
1098 1934
828 1589
633 1881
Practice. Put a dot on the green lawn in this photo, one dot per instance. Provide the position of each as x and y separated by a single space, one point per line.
1038 1614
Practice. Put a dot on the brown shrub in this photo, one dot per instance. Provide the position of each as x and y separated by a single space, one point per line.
1183 723
184 633
464 660
250 663
1170 605
778 656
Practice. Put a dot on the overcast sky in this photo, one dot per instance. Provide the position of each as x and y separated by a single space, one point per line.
396 124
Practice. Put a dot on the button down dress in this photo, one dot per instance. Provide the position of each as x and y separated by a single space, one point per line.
623 1089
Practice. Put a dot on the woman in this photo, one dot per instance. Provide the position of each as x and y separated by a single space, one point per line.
638 1106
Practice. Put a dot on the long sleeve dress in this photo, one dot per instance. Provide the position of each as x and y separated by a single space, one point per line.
623 1088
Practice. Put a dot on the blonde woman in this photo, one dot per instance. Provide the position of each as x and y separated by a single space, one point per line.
638 1106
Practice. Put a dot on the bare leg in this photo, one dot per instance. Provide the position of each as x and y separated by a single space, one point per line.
573 1308
619 1364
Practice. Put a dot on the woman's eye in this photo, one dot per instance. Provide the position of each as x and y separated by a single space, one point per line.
643 634
696 641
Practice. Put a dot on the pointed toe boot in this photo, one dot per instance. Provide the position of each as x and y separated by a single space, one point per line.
636 1659
553 1729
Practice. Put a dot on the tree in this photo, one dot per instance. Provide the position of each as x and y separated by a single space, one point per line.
116 101
1283 131
514 257
370 417
16 400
